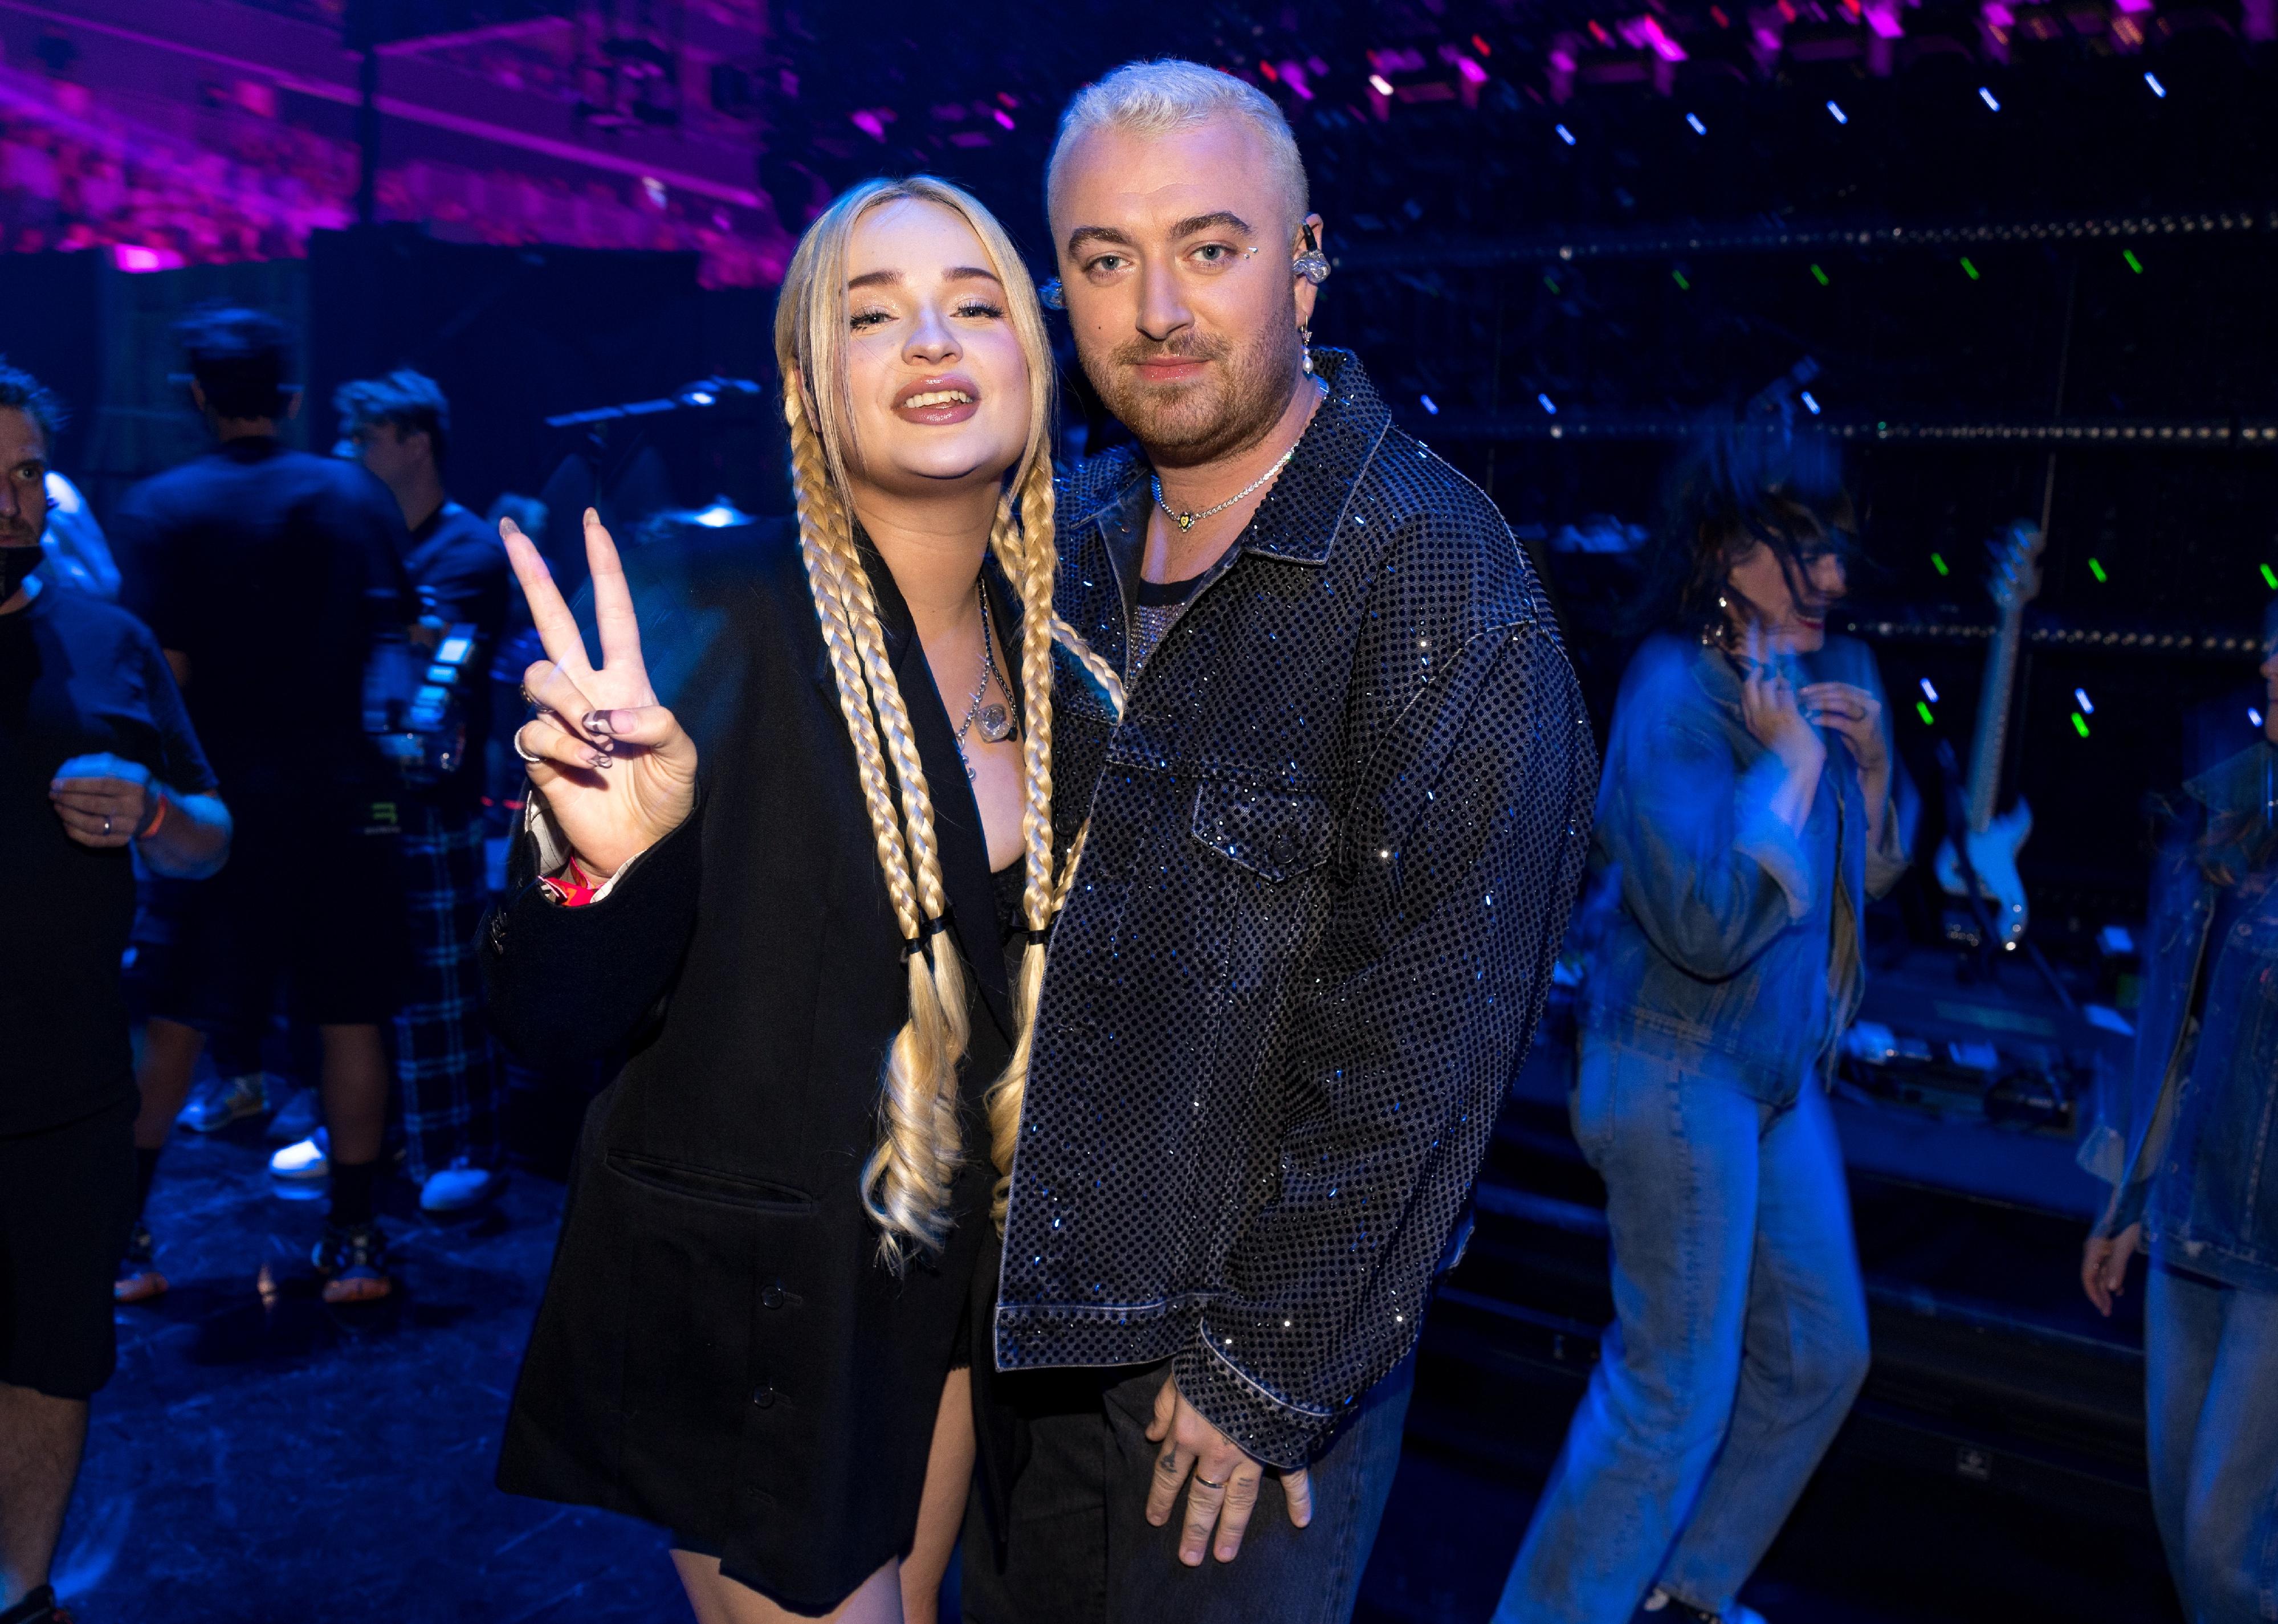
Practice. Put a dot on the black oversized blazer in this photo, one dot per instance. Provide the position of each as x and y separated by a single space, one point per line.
718 1351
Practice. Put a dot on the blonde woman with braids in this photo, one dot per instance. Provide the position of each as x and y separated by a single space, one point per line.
786 832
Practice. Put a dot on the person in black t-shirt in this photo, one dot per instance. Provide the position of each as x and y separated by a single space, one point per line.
271 578
449 1081
97 754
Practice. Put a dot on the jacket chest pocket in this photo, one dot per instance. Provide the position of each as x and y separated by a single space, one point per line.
1272 833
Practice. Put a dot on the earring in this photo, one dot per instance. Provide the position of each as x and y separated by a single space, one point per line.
1052 295
1305 346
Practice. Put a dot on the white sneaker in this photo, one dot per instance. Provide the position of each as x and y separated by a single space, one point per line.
306 1162
226 1099
458 1187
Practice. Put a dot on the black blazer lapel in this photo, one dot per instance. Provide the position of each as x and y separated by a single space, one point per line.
963 843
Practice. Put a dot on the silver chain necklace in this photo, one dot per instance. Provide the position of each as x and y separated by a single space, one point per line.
995 721
1188 521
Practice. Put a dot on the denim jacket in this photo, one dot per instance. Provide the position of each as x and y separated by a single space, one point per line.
1718 936
2201 1108
1334 841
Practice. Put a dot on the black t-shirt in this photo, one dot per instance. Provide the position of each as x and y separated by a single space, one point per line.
460 567
77 677
277 573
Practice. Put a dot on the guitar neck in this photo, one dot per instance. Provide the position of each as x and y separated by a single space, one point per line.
1993 739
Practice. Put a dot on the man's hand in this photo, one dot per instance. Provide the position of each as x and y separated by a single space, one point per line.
2104 1265
103 800
1226 1481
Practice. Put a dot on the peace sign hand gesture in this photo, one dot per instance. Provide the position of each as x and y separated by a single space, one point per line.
617 771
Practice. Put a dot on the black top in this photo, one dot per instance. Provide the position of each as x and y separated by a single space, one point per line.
719 1350
77 677
459 566
1334 840
276 572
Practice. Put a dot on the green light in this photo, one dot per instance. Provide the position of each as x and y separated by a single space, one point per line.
2097 570
1923 711
1971 268
1551 283
1681 282
1938 564
2134 264
1820 274
2080 724
2268 579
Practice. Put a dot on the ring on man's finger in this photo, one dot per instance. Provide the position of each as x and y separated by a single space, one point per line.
522 750
1206 1483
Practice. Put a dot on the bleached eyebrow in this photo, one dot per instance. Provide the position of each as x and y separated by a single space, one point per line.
955 273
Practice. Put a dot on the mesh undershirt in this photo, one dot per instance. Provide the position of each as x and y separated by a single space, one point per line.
1159 609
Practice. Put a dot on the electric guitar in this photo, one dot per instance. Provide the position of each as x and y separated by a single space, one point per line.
1992 841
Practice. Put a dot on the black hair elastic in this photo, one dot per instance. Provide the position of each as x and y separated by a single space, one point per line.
913 945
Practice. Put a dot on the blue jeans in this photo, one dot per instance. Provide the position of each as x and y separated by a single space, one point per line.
1080 1551
2210 1376
1739 1341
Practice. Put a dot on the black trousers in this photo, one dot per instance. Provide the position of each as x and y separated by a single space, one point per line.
1079 1549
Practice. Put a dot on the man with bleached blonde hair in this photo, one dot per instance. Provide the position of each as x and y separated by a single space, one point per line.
1339 821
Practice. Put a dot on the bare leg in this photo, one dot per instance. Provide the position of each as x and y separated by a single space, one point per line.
941 1510
170 1056
355 1090
40 1442
718 1599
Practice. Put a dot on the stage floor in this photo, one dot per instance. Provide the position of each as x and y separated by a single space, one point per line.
261 1459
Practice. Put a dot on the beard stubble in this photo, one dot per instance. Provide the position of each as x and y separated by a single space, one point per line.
1236 402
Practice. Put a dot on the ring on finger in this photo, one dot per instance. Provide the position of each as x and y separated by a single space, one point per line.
522 750
1206 1483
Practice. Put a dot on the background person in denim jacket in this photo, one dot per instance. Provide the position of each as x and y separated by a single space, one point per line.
1746 813
2200 1184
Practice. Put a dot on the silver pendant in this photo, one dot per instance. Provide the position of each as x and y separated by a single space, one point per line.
995 723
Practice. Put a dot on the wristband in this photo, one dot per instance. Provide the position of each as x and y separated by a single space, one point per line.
157 821
573 888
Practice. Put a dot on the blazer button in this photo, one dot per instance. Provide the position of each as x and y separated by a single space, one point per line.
774 1297
764 1396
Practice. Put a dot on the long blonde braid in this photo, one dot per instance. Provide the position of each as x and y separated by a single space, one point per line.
905 1181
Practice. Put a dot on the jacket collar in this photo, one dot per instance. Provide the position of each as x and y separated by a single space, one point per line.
2243 783
962 841
1331 457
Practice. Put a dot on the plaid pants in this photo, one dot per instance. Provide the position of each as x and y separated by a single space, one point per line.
452 1087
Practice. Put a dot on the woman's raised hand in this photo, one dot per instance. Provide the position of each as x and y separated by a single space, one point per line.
617 770
1769 708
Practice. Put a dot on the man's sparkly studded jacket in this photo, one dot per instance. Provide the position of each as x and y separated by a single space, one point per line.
1334 844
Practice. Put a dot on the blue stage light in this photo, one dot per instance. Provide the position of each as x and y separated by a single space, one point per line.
1810 404
1547 406
1841 116
1430 405
1566 135
1693 120
1928 692
2080 697
1986 97
2158 88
